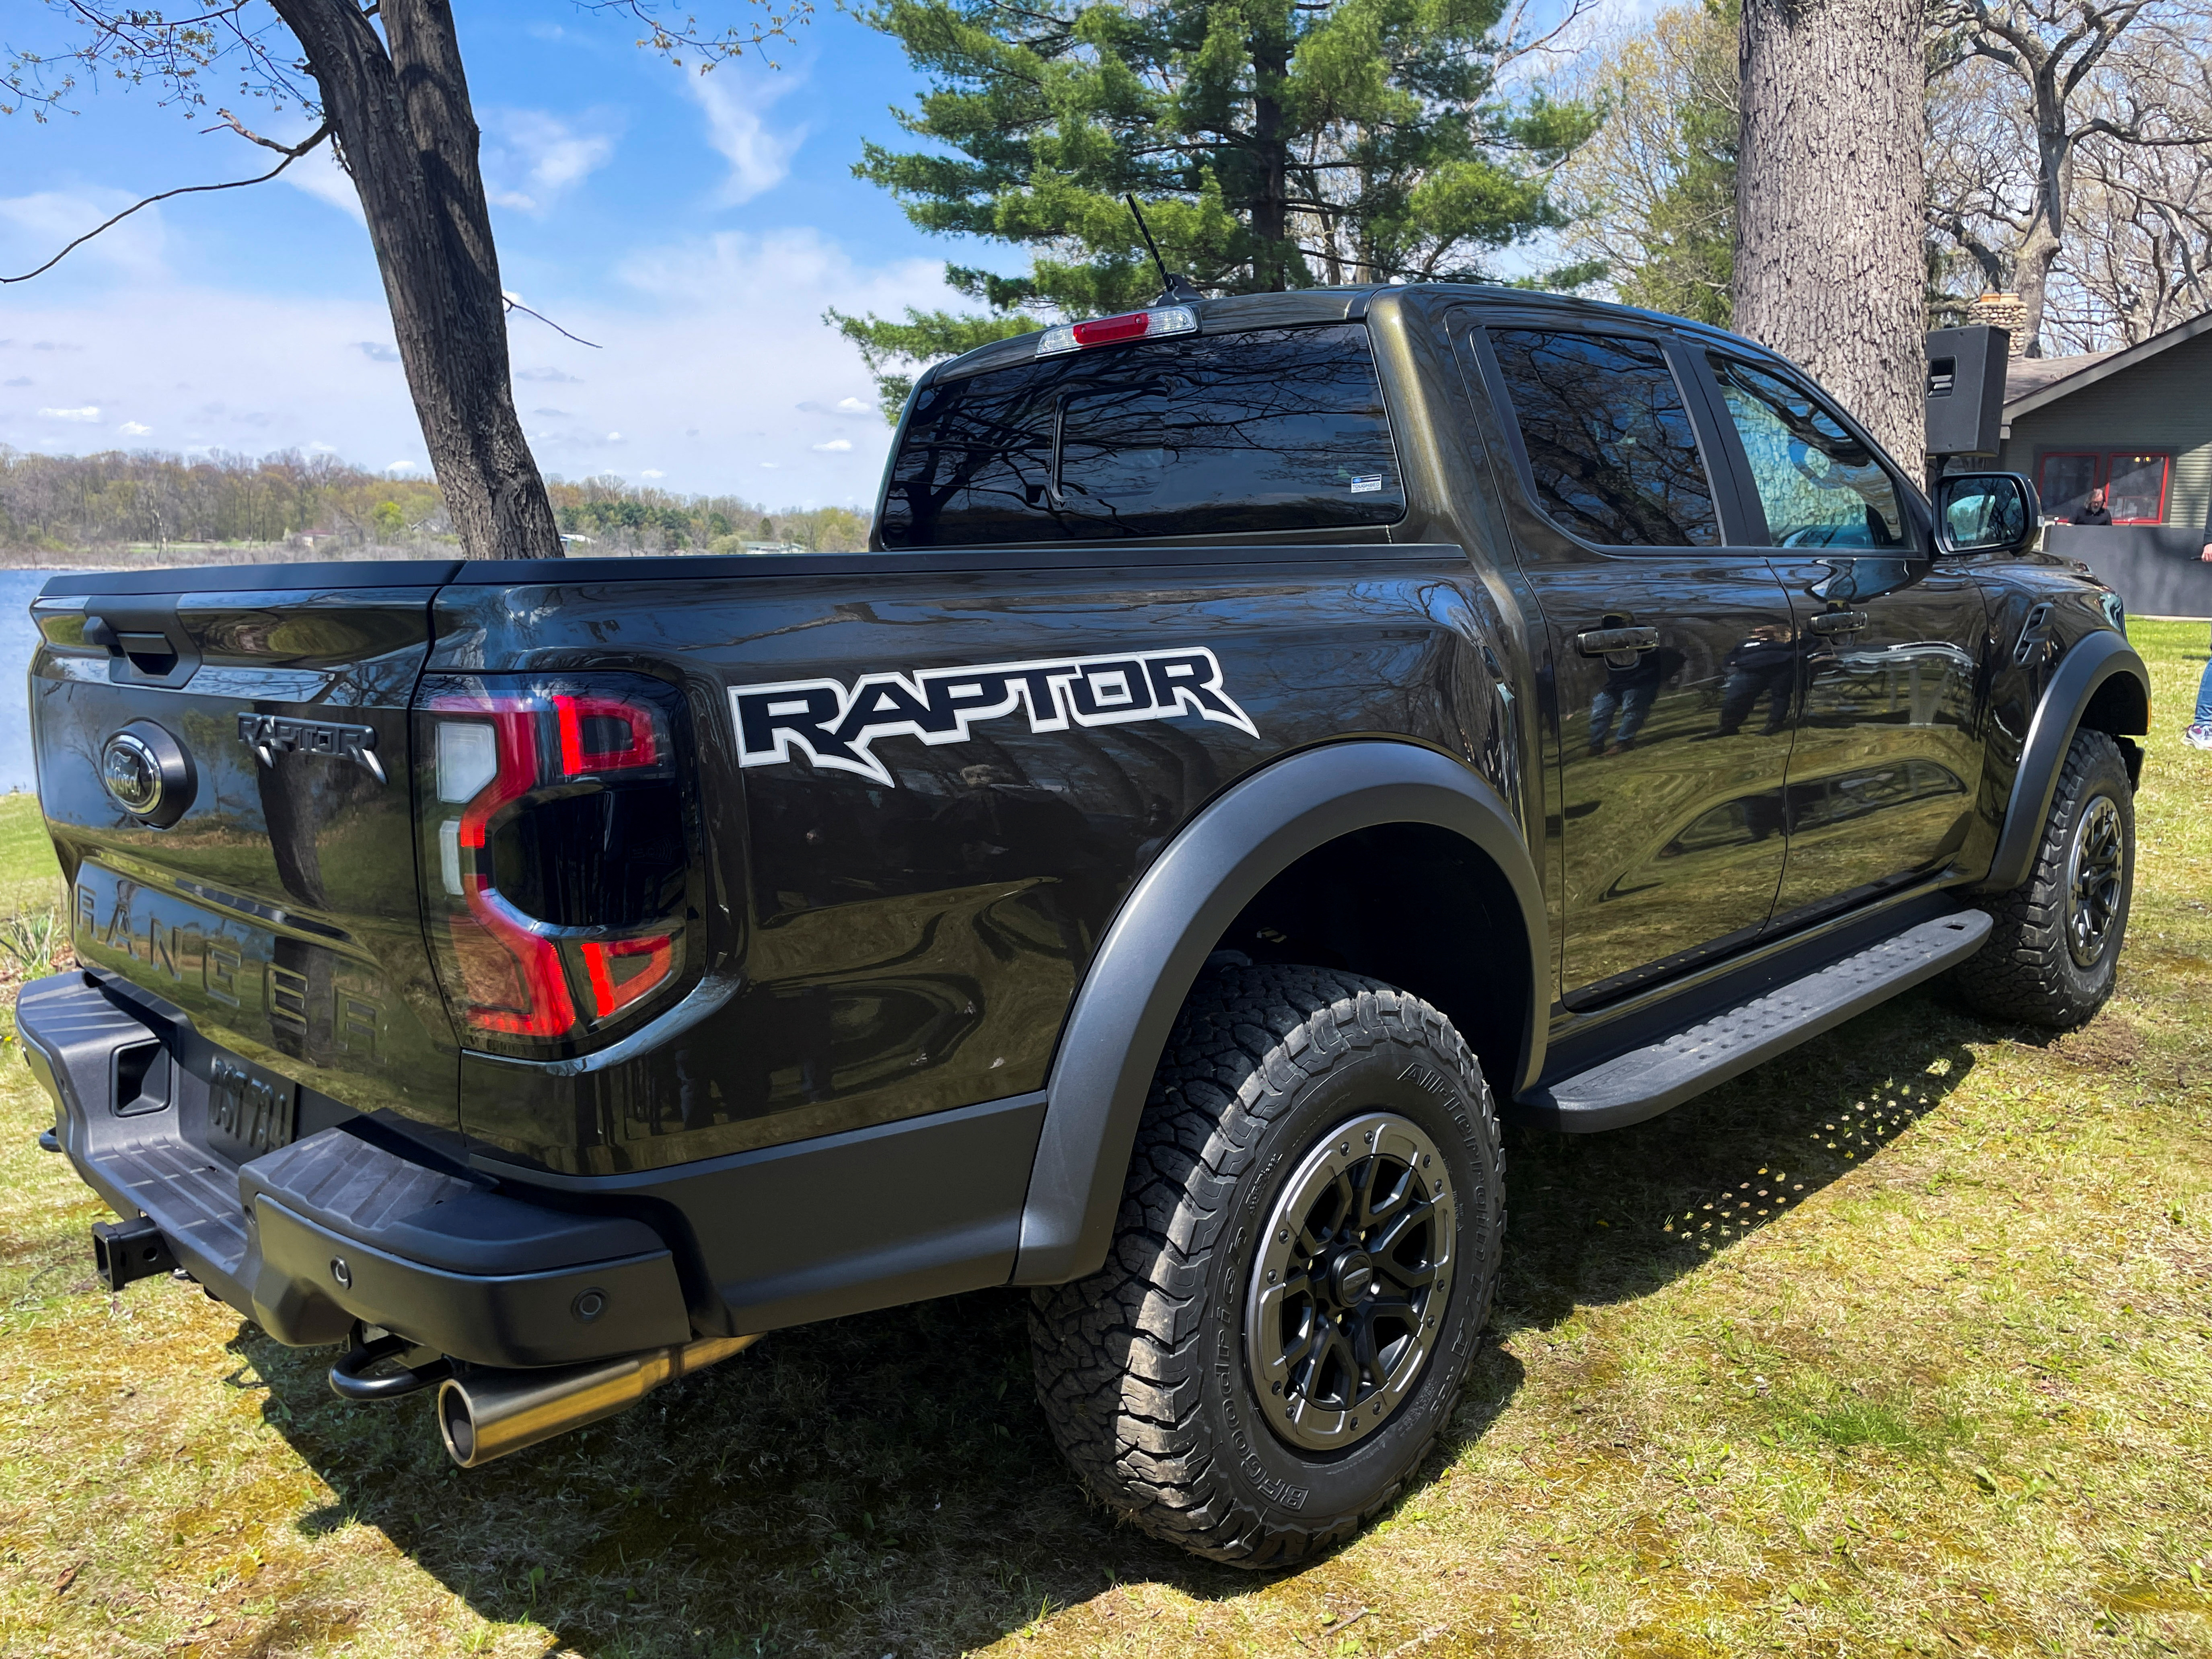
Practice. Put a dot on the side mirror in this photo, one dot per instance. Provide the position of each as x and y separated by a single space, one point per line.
1986 512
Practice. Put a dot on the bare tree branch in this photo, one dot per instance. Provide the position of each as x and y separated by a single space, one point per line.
291 155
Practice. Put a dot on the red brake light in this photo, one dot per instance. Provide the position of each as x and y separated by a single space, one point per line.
555 828
1112 330
586 723
610 995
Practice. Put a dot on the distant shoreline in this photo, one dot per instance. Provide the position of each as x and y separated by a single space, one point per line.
143 555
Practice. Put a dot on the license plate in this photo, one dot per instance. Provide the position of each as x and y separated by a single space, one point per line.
247 1114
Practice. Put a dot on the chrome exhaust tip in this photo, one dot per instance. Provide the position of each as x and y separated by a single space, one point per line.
488 1414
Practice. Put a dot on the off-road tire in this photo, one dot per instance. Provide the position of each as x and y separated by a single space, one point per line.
1141 1366
2027 971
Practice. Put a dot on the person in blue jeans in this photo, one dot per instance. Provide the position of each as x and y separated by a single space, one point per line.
2199 734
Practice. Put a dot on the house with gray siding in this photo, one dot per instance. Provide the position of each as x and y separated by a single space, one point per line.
2138 424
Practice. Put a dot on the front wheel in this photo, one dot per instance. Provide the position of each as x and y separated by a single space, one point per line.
1304 1259
2053 955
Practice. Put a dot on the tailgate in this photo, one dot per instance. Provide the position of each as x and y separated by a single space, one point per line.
270 893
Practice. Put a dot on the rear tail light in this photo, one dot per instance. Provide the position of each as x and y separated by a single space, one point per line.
561 849
1114 331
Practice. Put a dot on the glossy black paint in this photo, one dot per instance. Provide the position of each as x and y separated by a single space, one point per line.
939 971
278 912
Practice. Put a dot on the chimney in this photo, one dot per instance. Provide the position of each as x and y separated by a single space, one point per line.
2006 311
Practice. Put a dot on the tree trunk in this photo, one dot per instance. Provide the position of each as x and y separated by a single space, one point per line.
1829 270
407 135
1271 59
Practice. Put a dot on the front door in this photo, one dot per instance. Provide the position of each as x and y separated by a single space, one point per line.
1887 760
1674 663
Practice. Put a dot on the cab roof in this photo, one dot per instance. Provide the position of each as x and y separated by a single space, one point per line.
1307 306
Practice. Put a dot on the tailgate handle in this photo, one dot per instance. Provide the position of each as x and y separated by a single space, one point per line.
151 655
146 644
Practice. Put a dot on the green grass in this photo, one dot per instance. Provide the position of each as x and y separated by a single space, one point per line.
1897 1345
29 877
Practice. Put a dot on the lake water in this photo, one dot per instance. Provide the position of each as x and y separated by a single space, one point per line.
18 640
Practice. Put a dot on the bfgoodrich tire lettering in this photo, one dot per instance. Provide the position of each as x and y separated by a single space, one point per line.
2052 956
1143 1368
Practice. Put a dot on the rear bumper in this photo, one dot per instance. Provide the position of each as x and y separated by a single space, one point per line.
345 1224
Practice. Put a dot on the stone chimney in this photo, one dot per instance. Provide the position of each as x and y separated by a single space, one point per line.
2006 311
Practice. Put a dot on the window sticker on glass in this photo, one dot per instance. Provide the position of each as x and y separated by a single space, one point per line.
1370 485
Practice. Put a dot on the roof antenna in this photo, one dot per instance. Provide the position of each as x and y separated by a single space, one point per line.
1174 290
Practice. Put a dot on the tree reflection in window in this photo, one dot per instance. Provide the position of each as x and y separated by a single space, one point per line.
1608 439
1268 429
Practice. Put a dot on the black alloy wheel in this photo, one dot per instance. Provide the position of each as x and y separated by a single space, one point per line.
1348 1284
2096 865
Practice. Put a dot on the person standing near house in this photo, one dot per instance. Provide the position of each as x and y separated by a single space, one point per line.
2199 734
2096 512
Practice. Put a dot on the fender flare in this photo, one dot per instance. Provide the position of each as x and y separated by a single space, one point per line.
1160 938
2096 658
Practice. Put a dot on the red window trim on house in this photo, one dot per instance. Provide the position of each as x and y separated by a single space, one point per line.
2101 476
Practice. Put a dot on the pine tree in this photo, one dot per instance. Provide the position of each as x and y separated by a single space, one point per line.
1274 144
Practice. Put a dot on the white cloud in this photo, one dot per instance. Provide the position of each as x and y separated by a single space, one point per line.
132 429
653 472
376 351
401 466
733 100
531 157
835 447
854 406
35 227
90 413
258 372
318 174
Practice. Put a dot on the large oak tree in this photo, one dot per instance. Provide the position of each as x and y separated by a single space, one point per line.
1829 266
384 82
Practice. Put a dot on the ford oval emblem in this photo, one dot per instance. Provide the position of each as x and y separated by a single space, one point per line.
147 774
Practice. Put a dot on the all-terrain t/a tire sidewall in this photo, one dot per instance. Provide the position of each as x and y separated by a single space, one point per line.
1433 1082
2027 971
2082 990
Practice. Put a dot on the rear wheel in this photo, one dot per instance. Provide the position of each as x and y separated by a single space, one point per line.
1305 1256
2052 956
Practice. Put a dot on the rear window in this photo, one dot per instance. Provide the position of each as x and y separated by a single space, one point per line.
1608 439
1200 436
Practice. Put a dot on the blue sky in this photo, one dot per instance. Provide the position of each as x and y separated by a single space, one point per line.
695 227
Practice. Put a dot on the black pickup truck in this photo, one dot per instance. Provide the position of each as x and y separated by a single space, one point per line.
1272 741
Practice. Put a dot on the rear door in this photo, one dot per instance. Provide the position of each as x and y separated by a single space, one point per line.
1887 762
277 909
1674 655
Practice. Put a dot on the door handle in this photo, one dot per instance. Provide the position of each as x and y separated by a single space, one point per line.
1605 641
1837 622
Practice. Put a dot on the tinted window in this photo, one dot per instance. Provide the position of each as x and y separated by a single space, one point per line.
1210 434
1820 486
1607 437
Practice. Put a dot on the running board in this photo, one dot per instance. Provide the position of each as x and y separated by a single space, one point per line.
1647 1081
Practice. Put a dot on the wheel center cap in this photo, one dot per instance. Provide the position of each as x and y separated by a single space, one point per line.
1349 1276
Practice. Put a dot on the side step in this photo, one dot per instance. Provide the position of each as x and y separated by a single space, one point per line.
1647 1081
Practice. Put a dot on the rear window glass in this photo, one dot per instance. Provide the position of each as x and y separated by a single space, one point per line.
1200 436
1609 442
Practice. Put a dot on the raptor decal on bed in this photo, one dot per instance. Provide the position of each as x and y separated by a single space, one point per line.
835 728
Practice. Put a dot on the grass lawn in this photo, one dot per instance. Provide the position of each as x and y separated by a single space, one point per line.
1898 1346
29 878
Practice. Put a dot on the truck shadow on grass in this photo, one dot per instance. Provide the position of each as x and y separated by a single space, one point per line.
884 1484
